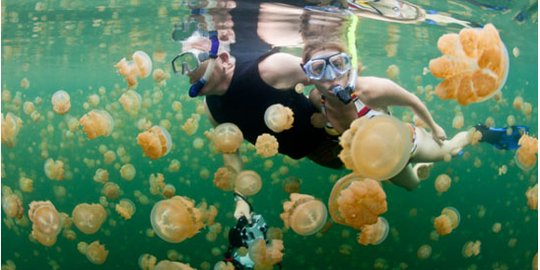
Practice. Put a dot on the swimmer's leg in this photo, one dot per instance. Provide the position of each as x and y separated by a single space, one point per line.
407 178
430 151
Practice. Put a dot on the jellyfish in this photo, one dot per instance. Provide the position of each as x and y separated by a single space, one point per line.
101 176
224 178
96 253
291 184
141 66
458 121
248 183
447 221
525 156
111 190
88 218
170 265
160 76
266 145
176 219
125 208
143 62
127 172
532 197
157 183
392 72
374 234
11 203
61 102
221 265
45 222
266 256
155 142
356 201
174 166
168 191
227 137
376 148
131 102
54 170
147 261
97 123
442 183
11 126
192 124
26 184
423 252
304 214
471 248
278 118
474 65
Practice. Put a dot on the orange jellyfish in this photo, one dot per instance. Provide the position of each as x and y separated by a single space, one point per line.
474 65
97 123
374 234
447 221
143 63
227 137
525 156
54 170
155 142
304 214
532 197
88 218
125 208
291 184
147 261
266 145
96 253
111 190
278 118
266 256
45 222
224 178
192 124
127 172
442 183
11 125
131 102
356 201
376 148
248 183
11 203
170 265
61 102
176 219
423 252
471 248
160 76
141 66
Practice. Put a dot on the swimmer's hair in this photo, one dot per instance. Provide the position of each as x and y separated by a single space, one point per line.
197 38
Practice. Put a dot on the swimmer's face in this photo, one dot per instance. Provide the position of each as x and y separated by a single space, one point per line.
327 68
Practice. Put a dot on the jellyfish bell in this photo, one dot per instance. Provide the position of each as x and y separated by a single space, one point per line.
278 118
88 218
143 63
374 234
378 147
248 183
227 137
11 125
525 156
61 102
170 265
447 221
175 219
97 123
156 142
131 102
442 183
45 222
304 214
96 253
356 201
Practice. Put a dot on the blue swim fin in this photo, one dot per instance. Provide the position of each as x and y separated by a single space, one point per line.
502 138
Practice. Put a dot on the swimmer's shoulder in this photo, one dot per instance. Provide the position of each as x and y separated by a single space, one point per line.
282 70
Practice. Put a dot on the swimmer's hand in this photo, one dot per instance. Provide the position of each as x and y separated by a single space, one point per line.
438 134
242 209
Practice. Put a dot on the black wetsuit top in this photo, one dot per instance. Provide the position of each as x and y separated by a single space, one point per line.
246 100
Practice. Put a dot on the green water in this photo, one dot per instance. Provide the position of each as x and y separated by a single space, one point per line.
73 45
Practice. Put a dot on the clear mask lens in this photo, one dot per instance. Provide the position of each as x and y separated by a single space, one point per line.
328 68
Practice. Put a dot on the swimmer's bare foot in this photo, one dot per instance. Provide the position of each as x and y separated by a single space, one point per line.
422 170
459 141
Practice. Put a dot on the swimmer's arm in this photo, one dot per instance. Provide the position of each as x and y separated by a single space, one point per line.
315 98
282 71
234 160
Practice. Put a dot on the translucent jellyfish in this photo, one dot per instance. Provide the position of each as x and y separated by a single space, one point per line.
496 228
458 121
374 234
160 76
174 166
11 203
11 125
125 208
143 62
266 145
170 265
45 222
127 172
141 66
221 265
225 178
525 156
111 191
147 261
176 219
157 183
96 253
392 72
304 214
376 148
227 137
424 252
442 183
532 197
97 123
471 248
192 124
131 102
88 218
266 256
54 170
248 183
155 142
447 221
61 102
26 184
356 202
101 176
291 184
278 118
168 191
474 65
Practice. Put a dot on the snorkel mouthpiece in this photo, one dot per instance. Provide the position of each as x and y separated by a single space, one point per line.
196 88
343 94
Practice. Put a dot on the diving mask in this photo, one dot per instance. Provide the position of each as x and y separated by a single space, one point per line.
328 68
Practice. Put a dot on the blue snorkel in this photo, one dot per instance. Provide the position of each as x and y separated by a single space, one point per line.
195 88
